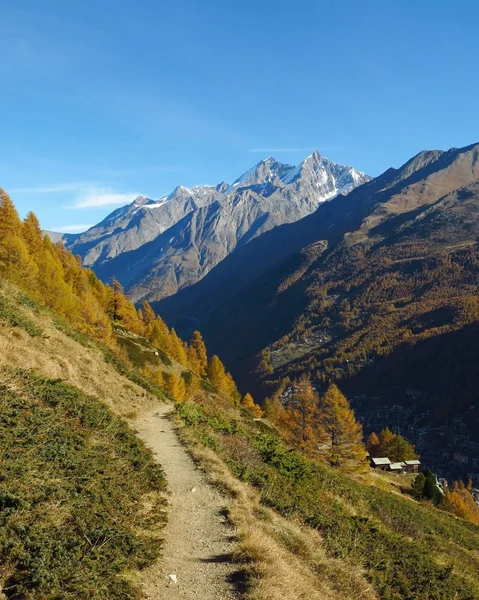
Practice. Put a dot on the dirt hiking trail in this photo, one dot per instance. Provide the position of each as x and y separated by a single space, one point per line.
196 561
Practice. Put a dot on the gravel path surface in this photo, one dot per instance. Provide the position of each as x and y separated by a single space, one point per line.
196 560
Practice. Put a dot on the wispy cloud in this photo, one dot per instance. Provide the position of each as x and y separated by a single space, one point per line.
96 197
84 195
73 228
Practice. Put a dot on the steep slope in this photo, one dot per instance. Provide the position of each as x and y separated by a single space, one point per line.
156 248
358 288
359 536
252 292
81 498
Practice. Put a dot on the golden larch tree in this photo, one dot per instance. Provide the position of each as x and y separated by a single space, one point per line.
248 403
373 445
175 386
300 419
344 446
199 347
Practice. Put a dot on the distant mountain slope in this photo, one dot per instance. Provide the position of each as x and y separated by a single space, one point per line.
263 290
156 248
378 290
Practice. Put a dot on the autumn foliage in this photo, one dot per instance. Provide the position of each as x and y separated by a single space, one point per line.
322 426
392 445
56 279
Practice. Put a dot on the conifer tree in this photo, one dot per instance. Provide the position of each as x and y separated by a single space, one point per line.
193 362
192 382
300 419
373 445
178 349
160 336
249 404
9 220
32 233
344 434
148 314
417 489
395 447
216 373
274 410
386 438
175 386
116 300
199 347
16 264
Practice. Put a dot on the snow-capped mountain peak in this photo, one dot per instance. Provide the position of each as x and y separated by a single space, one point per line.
209 221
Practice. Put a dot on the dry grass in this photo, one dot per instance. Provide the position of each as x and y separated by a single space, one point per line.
285 559
58 356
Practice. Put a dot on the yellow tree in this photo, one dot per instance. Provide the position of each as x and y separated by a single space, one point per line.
148 314
178 349
199 347
9 219
193 362
216 373
386 438
249 404
373 445
52 288
395 447
300 419
16 263
175 386
160 335
344 446
32 234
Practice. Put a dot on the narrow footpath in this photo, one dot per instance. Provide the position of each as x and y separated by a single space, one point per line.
196 562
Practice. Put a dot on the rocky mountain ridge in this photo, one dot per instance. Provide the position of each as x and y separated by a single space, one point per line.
156 247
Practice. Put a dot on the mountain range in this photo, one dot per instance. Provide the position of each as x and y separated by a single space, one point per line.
155 248
377 289
430 199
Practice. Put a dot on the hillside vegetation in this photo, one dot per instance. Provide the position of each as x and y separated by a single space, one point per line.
80 497
82 501
367 529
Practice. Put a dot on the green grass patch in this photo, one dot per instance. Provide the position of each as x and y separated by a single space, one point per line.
409 551
12 315
78 492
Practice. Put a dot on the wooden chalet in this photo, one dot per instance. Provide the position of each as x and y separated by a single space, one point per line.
380 463
412 466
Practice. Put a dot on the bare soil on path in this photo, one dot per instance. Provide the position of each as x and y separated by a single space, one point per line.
196 561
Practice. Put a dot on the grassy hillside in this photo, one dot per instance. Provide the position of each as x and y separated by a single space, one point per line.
80 496
304 530
82 502
367 529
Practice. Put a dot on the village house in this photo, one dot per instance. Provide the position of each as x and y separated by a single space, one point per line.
412 466
384 464
398 468
380 463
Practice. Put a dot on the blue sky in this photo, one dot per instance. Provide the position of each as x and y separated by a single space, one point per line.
103 100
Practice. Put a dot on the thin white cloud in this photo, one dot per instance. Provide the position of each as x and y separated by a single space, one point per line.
94 197
73 228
